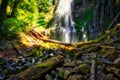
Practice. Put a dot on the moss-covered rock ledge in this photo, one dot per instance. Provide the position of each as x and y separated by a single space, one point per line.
37 71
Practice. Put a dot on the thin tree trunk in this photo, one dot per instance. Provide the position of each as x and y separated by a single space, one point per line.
92 77
102 14
3 9
14 8
53 2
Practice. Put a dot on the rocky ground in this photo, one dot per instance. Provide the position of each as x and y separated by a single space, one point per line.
93 60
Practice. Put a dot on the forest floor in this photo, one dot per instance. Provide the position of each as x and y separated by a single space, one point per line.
97 59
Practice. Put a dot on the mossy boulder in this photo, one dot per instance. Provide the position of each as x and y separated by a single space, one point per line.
109 77
69 64
75 77
48 77
84 68
117 62
64 72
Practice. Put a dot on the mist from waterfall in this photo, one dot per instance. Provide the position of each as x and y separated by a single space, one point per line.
64 19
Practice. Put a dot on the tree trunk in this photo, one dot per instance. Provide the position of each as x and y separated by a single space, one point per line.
53 2
3 9
92 75
14 8
96 19
39 70
102 14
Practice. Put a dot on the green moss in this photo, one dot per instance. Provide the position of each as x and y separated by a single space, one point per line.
35 51
75 77
38 70
84 68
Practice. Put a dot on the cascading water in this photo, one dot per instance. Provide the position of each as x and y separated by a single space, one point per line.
84 32
63 16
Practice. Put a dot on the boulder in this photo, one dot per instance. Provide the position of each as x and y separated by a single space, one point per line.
84 68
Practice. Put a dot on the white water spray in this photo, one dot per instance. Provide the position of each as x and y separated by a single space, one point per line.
84 32
64 17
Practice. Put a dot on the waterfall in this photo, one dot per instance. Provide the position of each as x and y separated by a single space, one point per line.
84 32
63 16
56 76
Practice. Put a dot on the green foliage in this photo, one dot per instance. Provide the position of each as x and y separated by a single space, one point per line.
33 12
29 14
14 26
41 20
36 51
85 16
44 5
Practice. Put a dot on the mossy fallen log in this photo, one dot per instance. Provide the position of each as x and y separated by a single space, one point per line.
37 71
36 35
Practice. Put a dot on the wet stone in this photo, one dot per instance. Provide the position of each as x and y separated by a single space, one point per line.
64 72
117 62
2 61
109 77
69 64
2 76
48 77
53 72
78 62
84 68
75 77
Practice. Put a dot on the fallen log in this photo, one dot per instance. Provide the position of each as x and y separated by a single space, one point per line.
37 71
57 42
36 35
92 75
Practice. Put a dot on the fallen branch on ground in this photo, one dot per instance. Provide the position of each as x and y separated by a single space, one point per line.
36 35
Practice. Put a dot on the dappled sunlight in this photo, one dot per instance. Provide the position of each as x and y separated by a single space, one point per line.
39 29
67 48
30 41
9 9
50 15
48 45
22 14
